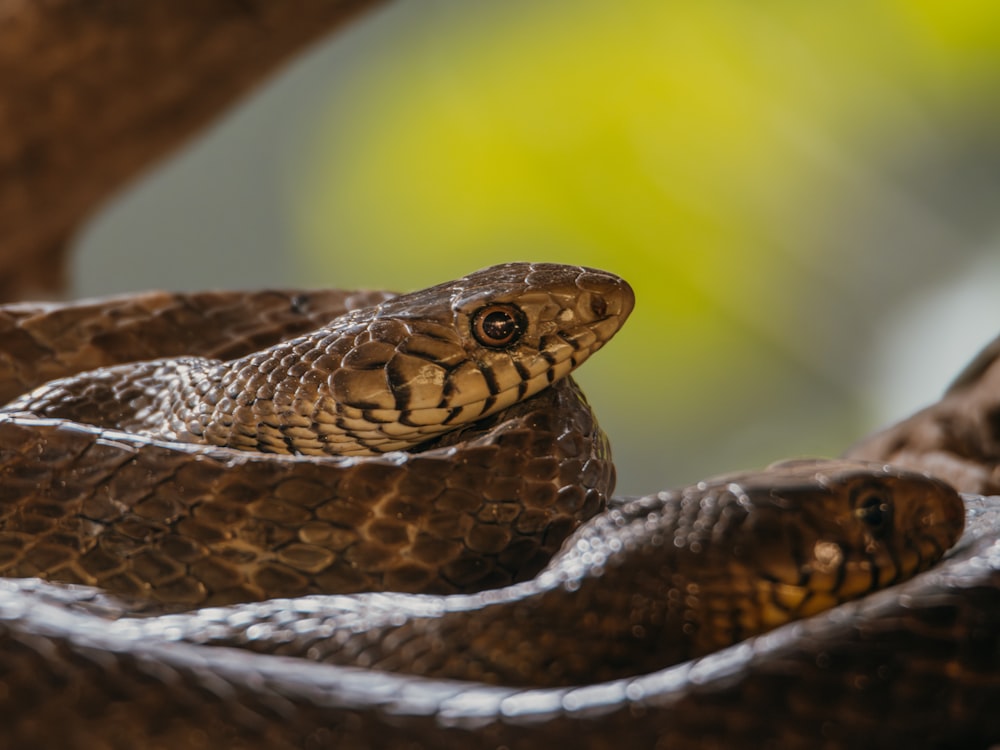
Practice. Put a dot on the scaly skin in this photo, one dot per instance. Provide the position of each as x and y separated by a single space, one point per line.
374 380
72 678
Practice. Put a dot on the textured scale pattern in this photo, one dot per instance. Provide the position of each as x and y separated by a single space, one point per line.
44 341
654 581
877 663
916 664
374 380
187 528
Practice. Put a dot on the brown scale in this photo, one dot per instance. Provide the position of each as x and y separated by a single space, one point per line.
655 581
382 378
187 526
914 664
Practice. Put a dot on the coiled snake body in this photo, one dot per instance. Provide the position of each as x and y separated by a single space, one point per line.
203 487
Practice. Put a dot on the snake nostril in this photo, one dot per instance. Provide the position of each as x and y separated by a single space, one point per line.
598 305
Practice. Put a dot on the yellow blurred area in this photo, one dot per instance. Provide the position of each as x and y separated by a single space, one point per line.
741 164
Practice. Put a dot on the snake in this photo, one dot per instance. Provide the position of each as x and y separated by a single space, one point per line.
197 487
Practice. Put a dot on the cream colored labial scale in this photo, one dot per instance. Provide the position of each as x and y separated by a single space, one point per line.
324 425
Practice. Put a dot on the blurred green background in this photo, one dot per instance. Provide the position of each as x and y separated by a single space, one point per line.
805 197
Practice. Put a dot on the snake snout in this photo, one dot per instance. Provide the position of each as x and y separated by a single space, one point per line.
604 296
936 515
919 520
605 303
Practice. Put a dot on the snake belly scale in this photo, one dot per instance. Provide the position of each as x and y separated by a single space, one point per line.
188 481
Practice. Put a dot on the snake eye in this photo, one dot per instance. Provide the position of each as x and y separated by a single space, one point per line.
875 511
498 325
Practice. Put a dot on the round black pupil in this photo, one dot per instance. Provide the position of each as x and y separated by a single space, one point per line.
873 512
499 325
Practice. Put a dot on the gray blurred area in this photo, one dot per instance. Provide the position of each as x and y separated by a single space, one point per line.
215 215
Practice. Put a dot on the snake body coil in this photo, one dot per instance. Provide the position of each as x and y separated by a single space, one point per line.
138 479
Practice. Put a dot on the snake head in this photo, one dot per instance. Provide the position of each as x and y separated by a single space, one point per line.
423 363
823 532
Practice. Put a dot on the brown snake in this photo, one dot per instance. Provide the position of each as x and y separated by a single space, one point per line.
586 651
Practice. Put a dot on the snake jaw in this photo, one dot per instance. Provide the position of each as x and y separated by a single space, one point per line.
780 603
